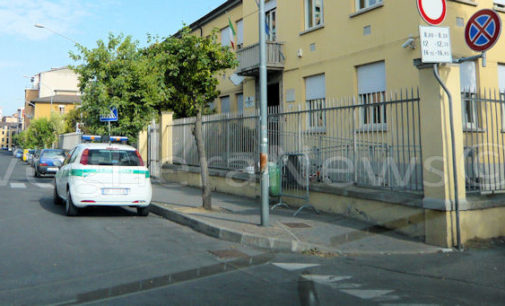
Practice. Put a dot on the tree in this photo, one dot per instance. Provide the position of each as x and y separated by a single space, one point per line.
116 74
40 134
189 65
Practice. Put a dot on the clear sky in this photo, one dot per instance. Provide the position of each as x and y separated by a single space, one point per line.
26 50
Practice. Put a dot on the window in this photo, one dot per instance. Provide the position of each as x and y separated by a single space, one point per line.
468 83
371 92
271 27
501 85
226 37
240 103
313 13
61 108
240 34
499 3
225 105
315 95
363 4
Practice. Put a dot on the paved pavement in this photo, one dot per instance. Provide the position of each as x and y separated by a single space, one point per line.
236 219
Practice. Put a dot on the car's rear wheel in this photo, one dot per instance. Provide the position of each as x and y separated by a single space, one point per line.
56 197
70 209
143 211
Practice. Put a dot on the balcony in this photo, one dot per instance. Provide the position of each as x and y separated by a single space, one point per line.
249 58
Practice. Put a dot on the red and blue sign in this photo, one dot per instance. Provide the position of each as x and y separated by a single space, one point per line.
483 30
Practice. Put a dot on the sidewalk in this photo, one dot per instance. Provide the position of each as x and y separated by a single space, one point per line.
236 219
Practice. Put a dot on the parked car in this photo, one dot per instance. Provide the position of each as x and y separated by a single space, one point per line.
96 174
18 153
29 156
35 157
49 162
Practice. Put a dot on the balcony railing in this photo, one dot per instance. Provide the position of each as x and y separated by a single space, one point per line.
249 58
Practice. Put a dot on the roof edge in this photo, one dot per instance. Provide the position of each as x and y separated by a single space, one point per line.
214 13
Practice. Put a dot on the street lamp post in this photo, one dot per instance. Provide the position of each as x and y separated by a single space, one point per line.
40 26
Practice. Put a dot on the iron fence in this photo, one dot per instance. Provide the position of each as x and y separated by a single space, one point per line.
371 140
483 114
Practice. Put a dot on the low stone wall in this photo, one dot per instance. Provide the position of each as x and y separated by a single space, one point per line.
398 211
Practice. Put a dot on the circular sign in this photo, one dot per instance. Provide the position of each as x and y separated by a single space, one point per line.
432 11
483 30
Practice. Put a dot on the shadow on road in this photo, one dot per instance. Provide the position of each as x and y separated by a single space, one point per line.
48 204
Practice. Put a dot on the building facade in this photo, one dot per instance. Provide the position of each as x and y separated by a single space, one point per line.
52 92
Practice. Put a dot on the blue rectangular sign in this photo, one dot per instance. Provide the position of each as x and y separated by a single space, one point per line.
111 117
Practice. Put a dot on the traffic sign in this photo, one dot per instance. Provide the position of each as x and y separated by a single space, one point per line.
483 30
435 44
432 11
110 117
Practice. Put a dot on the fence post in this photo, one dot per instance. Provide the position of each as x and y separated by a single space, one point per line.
166 137
437 153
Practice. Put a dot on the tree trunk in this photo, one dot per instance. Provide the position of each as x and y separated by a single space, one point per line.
206 192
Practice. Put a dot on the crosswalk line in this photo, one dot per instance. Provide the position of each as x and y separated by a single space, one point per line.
294 266
18 185
366 294
44 185
325 279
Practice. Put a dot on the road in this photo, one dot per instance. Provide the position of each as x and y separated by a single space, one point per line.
109 256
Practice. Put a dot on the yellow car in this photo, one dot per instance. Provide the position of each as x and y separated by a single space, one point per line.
25 154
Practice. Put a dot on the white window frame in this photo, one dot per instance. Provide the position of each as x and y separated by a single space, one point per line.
225 37
373 117
366 4
499 3
468 95
312 5
272 14
240 34
315 105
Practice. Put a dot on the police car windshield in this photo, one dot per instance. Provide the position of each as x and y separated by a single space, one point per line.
106 157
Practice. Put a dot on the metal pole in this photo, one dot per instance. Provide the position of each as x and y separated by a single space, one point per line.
263 119
454 169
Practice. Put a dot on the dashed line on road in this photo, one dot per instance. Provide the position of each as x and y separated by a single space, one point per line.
44 185
18 185
294 266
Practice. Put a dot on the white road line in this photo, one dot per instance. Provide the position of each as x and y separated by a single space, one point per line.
366 294
18 185
325 279
294 266
44 185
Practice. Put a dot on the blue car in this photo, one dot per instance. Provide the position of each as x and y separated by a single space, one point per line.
18 153
49 162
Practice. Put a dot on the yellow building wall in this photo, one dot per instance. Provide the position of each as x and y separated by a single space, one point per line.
44 110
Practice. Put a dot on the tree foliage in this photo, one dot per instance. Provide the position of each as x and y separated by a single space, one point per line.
42 133
116 74
188 65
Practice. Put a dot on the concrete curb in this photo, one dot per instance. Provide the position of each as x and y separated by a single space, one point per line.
258 241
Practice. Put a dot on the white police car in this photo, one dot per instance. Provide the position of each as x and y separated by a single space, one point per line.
103 174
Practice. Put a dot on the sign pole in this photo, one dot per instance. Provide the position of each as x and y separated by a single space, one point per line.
263 119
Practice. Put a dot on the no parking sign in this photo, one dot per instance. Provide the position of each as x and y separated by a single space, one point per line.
483 30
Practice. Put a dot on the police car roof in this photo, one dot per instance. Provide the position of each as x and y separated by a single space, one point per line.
103 146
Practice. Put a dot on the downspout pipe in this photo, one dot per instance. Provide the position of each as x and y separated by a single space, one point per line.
454 168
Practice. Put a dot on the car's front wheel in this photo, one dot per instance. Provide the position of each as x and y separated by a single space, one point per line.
70 209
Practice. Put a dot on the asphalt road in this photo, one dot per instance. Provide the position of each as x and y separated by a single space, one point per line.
109 256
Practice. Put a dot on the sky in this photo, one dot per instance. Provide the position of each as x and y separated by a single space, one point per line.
26 50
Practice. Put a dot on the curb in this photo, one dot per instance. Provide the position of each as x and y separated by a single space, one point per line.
258 241
272 244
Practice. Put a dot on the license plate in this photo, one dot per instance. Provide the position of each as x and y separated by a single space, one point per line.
52 169
114 191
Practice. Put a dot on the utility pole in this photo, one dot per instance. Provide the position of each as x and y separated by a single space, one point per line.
263 119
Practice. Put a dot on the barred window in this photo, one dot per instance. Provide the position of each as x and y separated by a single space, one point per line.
363 4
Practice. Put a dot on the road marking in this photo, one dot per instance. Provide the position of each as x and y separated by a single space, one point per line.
325 279
366 294
44 185
294 266
18 185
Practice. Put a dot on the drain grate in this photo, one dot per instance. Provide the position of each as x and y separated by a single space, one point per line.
225 254
297 225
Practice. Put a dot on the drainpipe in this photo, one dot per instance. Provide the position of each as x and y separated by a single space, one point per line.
454 169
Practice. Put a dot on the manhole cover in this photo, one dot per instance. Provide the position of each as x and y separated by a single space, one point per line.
297 225
228 254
